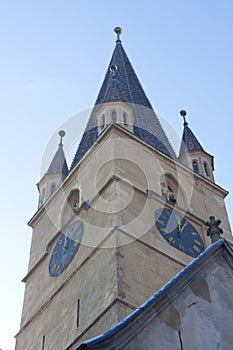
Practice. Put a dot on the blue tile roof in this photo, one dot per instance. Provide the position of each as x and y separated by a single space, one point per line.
151 301
126 78
122 84
113 92
88 139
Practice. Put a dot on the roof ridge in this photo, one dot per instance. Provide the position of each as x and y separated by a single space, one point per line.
154 298
127 78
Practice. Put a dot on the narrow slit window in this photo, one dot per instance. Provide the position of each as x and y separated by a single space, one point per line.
114 117
125 119
78 312
43 194
195 167
52 188
43 343
102 121
207 170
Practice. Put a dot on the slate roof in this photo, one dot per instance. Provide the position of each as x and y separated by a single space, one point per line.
99 340
58 164
113 92
126 78
125 86
189 141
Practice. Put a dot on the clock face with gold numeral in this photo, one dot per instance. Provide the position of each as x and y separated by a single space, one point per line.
178 232
66 247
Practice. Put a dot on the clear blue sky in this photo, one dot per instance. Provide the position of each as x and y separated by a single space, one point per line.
54 55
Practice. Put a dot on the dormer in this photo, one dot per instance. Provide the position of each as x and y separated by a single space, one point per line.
193 155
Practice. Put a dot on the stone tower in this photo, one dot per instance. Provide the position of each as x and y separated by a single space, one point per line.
126 217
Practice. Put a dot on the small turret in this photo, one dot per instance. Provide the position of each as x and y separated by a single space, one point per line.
193 155
56 173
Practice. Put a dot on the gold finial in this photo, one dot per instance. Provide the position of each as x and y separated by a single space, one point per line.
118 31
61 134
183 114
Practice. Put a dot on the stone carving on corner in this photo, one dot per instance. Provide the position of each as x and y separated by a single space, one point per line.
214 231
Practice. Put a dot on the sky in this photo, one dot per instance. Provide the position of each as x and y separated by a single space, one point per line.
54 55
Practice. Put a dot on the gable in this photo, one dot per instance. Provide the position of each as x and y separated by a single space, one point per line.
193 311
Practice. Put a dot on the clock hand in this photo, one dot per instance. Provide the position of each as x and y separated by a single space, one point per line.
66 242
183 227
178 223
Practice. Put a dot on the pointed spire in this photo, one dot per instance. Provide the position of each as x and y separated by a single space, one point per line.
58 164
56 173
122 84
189 141
127 80
193 155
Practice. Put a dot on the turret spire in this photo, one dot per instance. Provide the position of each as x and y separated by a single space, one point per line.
56 173
189 140
58 163
193 155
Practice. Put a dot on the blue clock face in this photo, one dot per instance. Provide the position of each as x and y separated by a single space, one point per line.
66 248
178 232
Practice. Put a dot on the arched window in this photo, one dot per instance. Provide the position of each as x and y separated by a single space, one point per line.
125 119
102 121
71 206
52 188
171 191
207 170
114 117
195 167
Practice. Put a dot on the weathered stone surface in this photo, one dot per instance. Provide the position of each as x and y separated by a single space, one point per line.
122 254
176 318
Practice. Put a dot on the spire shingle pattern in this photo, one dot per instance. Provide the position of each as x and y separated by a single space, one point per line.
125 86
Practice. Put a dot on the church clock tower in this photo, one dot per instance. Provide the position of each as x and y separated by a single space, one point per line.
121 222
